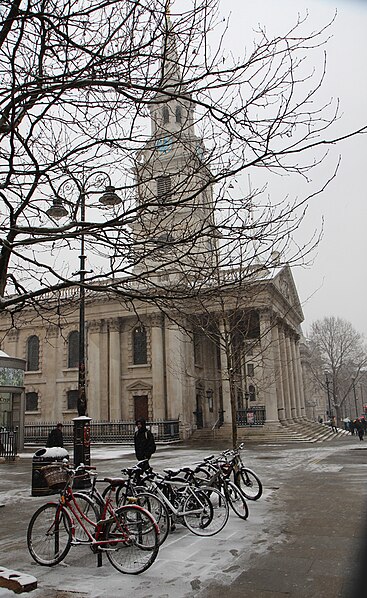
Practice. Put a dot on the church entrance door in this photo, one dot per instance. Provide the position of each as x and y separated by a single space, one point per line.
141 407
199 411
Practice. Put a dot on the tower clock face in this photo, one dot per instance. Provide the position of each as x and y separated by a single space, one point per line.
164 144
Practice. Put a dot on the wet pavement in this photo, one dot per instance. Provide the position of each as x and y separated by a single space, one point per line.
303 538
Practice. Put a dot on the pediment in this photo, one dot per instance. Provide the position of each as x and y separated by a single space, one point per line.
139 385
285 284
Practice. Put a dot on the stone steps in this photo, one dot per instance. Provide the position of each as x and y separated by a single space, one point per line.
295 432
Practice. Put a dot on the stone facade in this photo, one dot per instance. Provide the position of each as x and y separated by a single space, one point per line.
143 361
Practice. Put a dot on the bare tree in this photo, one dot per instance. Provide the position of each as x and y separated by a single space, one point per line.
80 82
339 356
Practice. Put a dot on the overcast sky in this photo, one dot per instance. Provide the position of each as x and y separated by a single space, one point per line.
336 282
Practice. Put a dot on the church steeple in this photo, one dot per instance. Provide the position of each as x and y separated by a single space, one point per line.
172 177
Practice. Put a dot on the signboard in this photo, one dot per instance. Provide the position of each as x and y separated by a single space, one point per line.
250 417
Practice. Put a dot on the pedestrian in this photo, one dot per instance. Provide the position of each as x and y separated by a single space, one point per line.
346 422
359 428
352 427
143 441
55 437
333 424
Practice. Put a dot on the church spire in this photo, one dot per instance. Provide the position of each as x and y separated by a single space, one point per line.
171 75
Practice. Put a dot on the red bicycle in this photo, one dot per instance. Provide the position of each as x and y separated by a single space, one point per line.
128 535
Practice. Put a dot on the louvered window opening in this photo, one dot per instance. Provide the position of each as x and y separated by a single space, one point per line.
164 188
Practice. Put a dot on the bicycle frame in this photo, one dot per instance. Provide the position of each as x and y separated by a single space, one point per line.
177 512
69 503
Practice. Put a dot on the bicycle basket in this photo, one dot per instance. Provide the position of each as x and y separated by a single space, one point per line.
55 476
226 468
82 481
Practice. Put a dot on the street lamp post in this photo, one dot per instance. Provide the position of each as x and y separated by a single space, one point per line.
355 396
328 391
57 211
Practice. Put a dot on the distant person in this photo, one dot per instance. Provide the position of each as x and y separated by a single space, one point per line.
333 424
143 441
55 437
360 429
320 420
346 422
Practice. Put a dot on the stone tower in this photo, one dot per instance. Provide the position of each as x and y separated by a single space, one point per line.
176 228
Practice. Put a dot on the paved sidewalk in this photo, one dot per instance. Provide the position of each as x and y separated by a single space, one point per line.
303 538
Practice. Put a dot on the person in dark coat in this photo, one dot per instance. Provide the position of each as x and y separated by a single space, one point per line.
143 441
55 437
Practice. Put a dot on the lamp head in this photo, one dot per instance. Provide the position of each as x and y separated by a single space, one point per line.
57 210
109 197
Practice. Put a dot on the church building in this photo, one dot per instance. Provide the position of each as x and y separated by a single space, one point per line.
194 359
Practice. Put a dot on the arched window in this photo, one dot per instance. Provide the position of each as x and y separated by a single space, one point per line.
252 392
140 354
73 349
33 354
31 401
178 114
165 114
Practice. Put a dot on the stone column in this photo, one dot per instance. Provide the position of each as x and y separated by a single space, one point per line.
158 362
94 351
268 391
278 374
114 369
179 403
52 356
296 377
285 375
292 390
300 380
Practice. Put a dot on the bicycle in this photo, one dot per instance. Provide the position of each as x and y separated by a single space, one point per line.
128 535
244 478
219 478
128 490
202 509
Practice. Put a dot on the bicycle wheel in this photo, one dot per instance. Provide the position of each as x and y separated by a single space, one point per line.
237 500
249 484
133 536
49 534
220 509
158 509
90 509
205 511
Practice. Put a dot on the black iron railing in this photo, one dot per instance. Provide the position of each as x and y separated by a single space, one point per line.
253 416
9 443
106 432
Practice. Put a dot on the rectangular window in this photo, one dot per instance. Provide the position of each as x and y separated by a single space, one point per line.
250 370
198 357
140 352
31 401
72 398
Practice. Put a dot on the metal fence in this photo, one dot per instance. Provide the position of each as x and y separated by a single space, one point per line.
252 416
105 432
8 443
